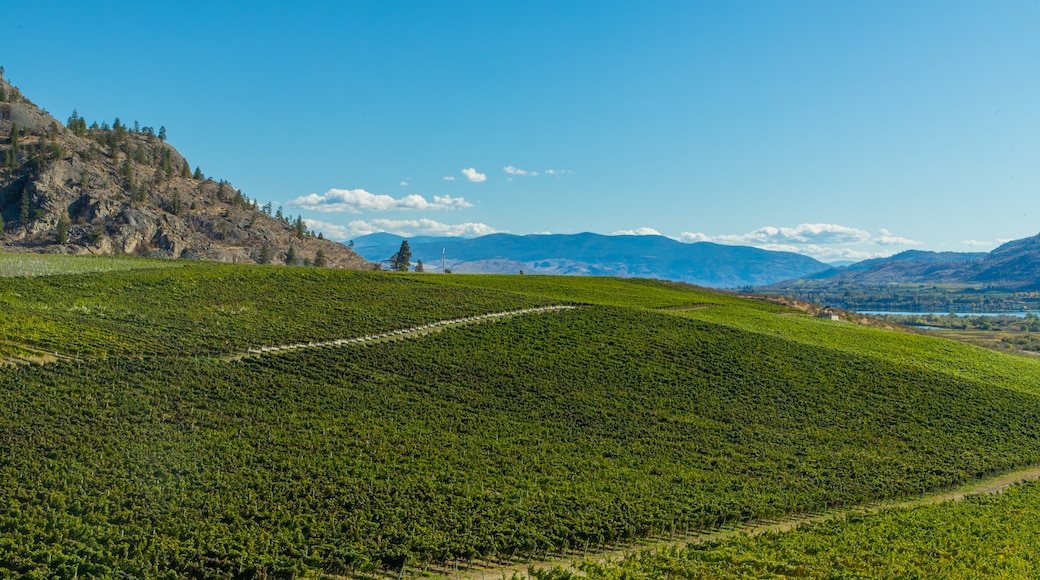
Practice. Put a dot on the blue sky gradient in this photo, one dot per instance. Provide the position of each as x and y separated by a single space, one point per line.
836 129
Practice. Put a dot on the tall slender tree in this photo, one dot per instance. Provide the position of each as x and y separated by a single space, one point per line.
63 230
402 260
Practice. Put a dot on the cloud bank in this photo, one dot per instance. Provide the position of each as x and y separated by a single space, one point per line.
637 232
802 234
821 241
359 200
419 227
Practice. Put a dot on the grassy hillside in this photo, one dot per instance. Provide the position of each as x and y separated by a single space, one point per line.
653 407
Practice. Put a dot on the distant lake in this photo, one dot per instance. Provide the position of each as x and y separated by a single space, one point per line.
887 313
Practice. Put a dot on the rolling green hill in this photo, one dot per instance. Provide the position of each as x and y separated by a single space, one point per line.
148 449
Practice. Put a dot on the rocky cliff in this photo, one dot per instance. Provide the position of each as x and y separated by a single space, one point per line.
79 189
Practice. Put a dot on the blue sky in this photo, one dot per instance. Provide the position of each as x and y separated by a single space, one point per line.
835 129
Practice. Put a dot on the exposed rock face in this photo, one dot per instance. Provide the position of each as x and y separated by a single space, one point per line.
119 191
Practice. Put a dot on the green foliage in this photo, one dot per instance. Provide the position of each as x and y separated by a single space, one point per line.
320 260
165 162
175 206
419 266
299 227
77 124
290 256
401 260
985 536
149 456
23 209
62 230
265 254
198 173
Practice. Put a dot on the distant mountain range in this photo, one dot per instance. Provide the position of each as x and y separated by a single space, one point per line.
1014 265
588 254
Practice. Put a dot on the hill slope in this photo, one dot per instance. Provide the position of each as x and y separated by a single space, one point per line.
146 451
587 254
117 190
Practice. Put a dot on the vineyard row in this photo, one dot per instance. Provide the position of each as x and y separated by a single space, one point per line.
413 331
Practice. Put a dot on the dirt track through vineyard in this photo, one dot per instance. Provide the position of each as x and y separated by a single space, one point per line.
495 571
403 333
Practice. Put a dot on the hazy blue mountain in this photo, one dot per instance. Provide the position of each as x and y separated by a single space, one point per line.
901 267
1015 264
701 263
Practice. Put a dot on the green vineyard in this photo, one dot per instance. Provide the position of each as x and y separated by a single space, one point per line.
981 537
145 449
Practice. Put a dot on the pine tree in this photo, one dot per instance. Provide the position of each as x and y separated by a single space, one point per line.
265 254
300 227
402 259
418 266
165 164
290 257
63 230
320 260
23 210
162 134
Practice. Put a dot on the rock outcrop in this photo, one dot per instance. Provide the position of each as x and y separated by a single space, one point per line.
70 188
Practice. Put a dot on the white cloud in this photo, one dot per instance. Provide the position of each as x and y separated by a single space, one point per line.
801 234
887 238
637 232
977 243
825 242
359 200
404 183
474 176
825 253
419 227
449 178
517 171
330 231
